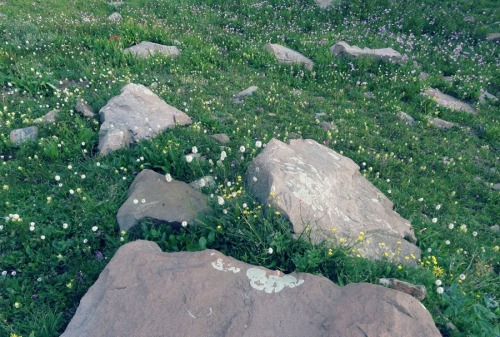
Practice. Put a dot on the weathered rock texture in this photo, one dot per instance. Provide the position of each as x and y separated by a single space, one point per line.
324 3
146 49
239 97
406 118
151 197
440 123
49 117
115 17
84 109
318 189
386 54
493 37
417 291
287 55
137 113
145 292
20 136
448 101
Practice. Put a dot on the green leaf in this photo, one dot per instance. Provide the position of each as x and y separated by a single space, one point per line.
202 242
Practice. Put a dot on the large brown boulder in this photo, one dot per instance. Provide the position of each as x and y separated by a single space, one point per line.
323 192
145 292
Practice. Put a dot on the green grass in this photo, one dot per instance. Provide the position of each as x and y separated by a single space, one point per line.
54 52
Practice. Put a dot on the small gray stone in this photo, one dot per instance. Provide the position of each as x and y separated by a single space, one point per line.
319 115
495 228
221 137
20 136
327 126
84 109
289 56
485 96
176 42
369 95
49 117
146 49
423 76
440 123
448 79
417 291
239 97
115 17
385 54
496 187
493 37
296 92
324 3
406 118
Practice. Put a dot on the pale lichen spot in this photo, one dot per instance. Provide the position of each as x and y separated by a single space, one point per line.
272 283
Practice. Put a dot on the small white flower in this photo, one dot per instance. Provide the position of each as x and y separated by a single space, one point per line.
42 237
258 144
189 158
85 240
97 164
245 205
65 225
429 250
228 184
39 279
254 179
13 273
447 242
168 177
242 149
451 226
220 200
4 272
438 207
184 224
462 277
474 233
223 155
224 211
440 290
71 192
94 228
57 178
136 201
438 282
434 220
70 167
143 201
194 149
421 199
82 176
60 185
270 250
389 191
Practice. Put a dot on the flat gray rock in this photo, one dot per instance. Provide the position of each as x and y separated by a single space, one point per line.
146 49
145 292
239 97
136 114
323 192
84 109
406 118
221 138
385 54
152 197
324 3
484 96
20 136
493 37
49 117
289 56
441 123
448 101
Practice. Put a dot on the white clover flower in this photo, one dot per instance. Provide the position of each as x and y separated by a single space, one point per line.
57 178
451 226
65 225
438 282
434 220
462 277
85 240
71 192
42 237
168 177
440 290
220 200
94 228
194 149
13 273
70 167
39 279
184 224
242 149
82 176
189 158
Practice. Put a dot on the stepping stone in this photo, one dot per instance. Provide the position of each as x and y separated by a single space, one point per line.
146 49
152 197
136 114
385 54
146 292
289 56
23 135
448 101
325 197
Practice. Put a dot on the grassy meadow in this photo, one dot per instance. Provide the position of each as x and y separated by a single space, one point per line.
59 199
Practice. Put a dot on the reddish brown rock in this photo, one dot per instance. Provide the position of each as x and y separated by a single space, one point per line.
145 292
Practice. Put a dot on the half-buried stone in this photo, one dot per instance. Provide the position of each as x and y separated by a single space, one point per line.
145 292
152 197
145 49
136 114
289 56
385 54
322 191
447 101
